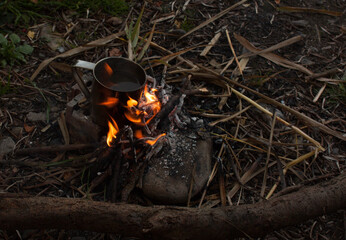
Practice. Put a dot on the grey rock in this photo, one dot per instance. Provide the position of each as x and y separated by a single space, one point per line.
168 176
199 123
35 117
6 145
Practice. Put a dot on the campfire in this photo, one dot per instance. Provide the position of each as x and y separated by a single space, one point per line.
233 128
142 133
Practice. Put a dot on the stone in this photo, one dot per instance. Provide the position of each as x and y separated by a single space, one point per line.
115 21
81 127
168 176
35 117
6 145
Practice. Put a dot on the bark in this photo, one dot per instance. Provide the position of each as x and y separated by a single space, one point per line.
169 222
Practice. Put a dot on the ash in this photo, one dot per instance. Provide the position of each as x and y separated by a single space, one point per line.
175 157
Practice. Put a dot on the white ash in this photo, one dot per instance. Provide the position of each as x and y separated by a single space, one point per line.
173 156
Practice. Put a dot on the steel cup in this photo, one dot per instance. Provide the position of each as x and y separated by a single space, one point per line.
114 77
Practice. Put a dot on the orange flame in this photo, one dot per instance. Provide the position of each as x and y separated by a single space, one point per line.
112 132
110 102
131 102
152 142
138 134
109 70
149 105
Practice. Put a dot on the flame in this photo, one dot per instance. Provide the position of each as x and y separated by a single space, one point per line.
138 134
110 102
131 102
109 70
152 142
112 132
146 109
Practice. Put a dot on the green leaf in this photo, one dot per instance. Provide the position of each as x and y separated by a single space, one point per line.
14 38
3 40
19 56
25 49
136 30
147 44
128 33
3 63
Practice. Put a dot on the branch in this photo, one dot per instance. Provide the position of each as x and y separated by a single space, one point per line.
170 222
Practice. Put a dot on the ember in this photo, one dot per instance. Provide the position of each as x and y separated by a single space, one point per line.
138 134
152 142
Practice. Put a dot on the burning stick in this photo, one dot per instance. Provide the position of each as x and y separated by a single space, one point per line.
143 111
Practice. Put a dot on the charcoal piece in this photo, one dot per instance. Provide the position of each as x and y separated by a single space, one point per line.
168 176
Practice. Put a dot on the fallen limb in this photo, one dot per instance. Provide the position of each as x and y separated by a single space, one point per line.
170 222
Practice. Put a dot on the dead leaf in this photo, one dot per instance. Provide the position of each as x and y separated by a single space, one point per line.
271 56
63 67
72 52
34 1
31 35
28 128
277 1
115 52
68 175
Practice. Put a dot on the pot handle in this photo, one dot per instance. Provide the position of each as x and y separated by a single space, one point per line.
85 64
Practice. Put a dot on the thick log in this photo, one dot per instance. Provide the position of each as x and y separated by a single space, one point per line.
168 222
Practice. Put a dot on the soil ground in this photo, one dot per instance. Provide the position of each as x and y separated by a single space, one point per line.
322 48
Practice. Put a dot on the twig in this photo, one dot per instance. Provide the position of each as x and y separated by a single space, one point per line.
222 186
297 130
323 74
229 117
191 184
113 184
264 184
56 148
312 122
289 165
235 56
210 44
217 16
320 93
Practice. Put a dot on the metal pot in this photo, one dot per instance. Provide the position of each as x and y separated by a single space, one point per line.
114 77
